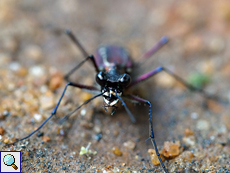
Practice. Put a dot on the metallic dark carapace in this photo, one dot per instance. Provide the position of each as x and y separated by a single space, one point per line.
113 56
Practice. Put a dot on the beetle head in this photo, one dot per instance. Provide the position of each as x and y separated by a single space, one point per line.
112 83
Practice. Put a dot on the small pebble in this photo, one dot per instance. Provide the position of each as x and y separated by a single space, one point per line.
4 114
14 66
108 169
189 141
116 133
154 157
11 86
38 118
98 137
187 155
6 141
40 134
33 52
116 151
171 149
22 72
2 131
223 129
60 131
97 129
123 164
202 125
55 81
188 132
194 115
83 112
43 89
45 138
37 71
46 102
212 138
129 145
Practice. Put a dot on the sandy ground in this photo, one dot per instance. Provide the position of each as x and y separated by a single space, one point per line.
35 54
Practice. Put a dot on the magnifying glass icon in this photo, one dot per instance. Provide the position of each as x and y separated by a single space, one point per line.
9 160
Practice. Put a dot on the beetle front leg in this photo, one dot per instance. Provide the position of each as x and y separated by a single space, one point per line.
140 100
90 88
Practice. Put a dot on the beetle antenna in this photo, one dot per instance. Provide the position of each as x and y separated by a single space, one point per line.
76 42
66 117
86 102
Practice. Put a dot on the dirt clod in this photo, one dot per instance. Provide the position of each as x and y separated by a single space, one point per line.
171 149
154 158
116 151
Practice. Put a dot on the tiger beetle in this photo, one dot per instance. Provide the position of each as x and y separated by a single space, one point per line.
113 66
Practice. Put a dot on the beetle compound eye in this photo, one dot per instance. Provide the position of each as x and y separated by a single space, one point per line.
125 80
101 78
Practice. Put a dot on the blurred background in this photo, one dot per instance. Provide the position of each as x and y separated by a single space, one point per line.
35 54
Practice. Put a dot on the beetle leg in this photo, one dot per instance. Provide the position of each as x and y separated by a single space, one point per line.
76 42
140 100
82 49
90 88
153 50
91 57
186 84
